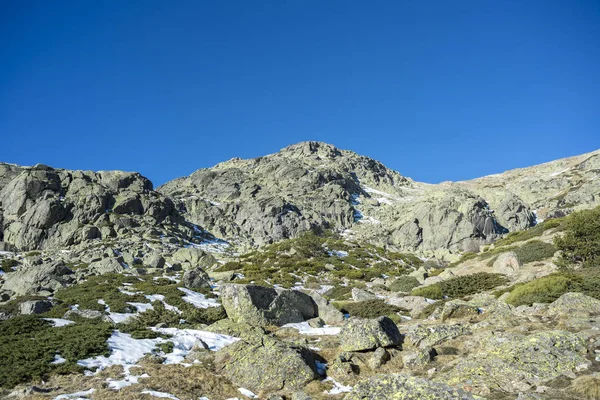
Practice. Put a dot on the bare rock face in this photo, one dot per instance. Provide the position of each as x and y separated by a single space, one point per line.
507 263
262 306
368 334
42 207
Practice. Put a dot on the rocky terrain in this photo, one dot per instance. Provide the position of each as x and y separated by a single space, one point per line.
312 273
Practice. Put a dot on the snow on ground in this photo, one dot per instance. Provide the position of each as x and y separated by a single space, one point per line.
160 297
58 322
324 288
124 351
197 299
58 359
162 395
338 387
305 329
77 395
384 200
127 381
141 307
338 253
368 220
184 341
247 393
559 172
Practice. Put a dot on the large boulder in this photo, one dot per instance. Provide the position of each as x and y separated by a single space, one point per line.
405 387
106 266
326 311
196 278
35 307
368 334
33 279
191 257
261 306
512 363
415 304
425 337
574 303
264 364
507 263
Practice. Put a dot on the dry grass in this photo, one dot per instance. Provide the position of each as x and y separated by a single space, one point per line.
587 386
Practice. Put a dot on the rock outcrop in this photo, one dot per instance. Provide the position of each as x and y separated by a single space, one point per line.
368 334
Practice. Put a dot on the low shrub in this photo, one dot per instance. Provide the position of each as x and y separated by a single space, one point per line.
28 345
8 264
461 286
530 233
534 251
579 244
551 287
368 308
339 293
404 284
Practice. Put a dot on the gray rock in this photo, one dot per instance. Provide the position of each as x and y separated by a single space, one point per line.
191 257
266 365
155 261
106 266
367 334
574 303
326 311
35 307
458 309
507 263
34 279
362 295
378 358
196 278
261 306
406 387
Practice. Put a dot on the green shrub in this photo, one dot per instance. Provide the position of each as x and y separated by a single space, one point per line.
368 308
338 293
581 241
229 266
534 251
551 287
461 286
530 233
404 284
8 264
28 345
105 287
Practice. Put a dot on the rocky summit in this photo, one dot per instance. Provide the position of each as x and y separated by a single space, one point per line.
311 273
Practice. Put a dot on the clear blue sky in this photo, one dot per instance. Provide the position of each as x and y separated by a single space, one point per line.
438 90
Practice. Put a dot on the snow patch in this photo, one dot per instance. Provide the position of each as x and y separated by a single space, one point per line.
338 253
77 395
184 341
338 387
58 322
197 299
559 172
247 393
162 395
58 359
305 329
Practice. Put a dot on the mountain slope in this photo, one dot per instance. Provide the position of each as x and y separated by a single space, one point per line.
315 185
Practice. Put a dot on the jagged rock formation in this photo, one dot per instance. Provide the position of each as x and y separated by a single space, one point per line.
315 185
305 186
42 207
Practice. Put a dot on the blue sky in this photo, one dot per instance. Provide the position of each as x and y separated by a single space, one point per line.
438 90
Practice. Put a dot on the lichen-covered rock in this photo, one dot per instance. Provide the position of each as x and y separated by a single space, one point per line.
574 303
196 278
237 329
429 336
367 334
261 306
405 387
265 364
362 295
458 309
32 279
35 307
191 257
416 358
326 311
415 304
507 263
106 266
514 363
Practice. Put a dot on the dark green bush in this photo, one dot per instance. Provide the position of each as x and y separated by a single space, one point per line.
530 233
404 284
534 250
8 264
581 241
28 345
339 293
368 308
461 286
551 287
